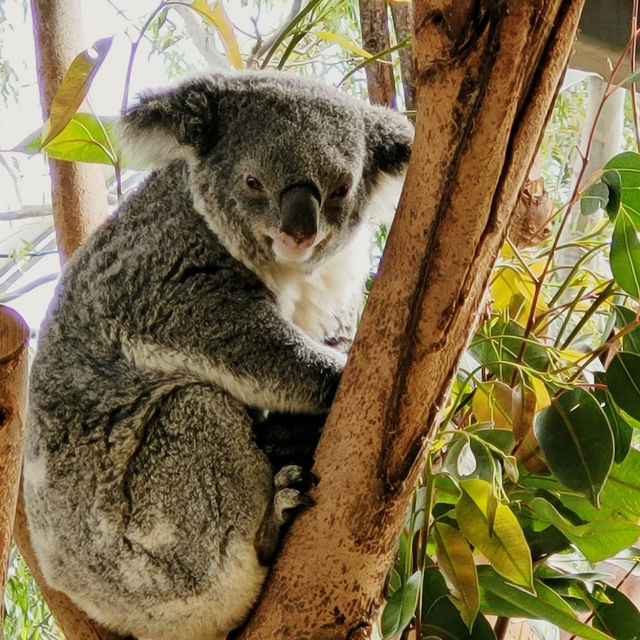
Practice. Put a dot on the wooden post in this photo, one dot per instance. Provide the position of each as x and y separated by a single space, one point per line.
14 340
487 76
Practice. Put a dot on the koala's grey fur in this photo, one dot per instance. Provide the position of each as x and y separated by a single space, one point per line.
185 317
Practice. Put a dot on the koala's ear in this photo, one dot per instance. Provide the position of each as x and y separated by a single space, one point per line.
165 126
389 139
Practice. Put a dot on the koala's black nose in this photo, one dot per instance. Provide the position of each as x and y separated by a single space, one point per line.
299 207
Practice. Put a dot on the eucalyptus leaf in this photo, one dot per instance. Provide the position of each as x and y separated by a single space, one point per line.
455 560
401 607
612 180
620 618
577 441
74 87
493 529
537 607
626 166
623 380
596 197
624 256
621 493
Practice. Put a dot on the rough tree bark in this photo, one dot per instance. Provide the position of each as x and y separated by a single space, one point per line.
374 24
14 339
487 75
79 204
403 26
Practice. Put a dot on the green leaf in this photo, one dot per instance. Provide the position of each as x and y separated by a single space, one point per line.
401 607
74 87
535 607
498 344
624 256
470 458
621 618
631 340
577 441
621 429
594 198
627 168
623 380
612 180
597 540
622 490
456 563
496 534
440 617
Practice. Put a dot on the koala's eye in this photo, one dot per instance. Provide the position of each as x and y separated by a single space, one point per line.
254 184
340 192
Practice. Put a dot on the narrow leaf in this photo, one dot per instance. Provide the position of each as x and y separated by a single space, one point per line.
595 197
623 380
74 87
597 540
456 563
401 607
501 540
536 607
577 442
620 618
625 253
344 43
217 16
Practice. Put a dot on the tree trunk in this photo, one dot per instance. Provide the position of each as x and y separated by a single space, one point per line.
78 193
403 26
14 338
79 205
487 75
374 23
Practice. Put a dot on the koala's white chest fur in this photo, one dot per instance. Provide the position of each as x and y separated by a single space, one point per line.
316 302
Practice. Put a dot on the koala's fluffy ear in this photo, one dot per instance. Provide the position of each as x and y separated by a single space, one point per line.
165 126
389 139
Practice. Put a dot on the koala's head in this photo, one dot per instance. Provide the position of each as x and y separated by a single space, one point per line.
281 168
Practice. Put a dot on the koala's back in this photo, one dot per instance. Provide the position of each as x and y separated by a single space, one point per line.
131 468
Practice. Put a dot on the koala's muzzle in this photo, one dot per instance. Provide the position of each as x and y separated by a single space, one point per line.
299 209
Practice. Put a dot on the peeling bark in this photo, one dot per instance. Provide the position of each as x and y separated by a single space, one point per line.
487 76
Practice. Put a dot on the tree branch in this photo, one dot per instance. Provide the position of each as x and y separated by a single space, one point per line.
487 76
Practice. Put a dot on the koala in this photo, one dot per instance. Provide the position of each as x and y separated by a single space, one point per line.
191 341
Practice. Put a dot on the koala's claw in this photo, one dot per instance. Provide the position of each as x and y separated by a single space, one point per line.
285 501
294 475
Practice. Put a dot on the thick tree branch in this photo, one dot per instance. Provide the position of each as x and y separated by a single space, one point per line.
487 75
14 338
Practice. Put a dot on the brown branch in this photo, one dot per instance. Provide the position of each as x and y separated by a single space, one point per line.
14 339
78 193
374 23
403 26
487 76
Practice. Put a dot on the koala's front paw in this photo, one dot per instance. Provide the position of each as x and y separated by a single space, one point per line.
291 482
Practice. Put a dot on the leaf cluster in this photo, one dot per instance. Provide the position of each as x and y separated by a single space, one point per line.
534 469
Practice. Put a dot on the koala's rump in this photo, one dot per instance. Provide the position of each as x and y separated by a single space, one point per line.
131 519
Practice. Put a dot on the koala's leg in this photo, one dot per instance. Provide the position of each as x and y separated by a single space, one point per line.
197 489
